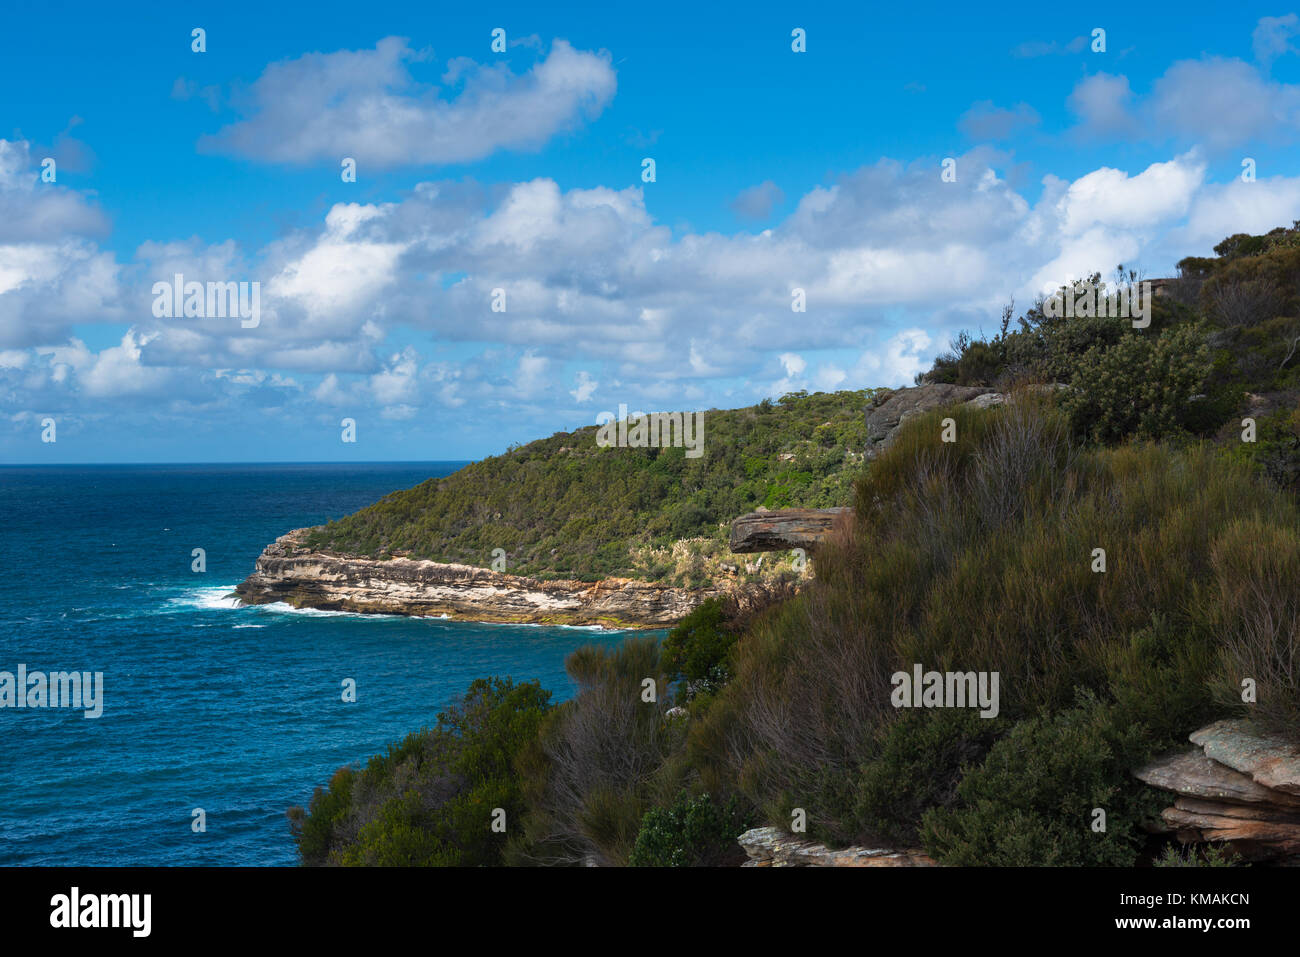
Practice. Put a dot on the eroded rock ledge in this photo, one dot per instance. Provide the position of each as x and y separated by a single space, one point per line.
288 571
1241 786
773 847
782 529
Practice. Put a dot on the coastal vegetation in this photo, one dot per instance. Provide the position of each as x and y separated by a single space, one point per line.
1122 548
564 507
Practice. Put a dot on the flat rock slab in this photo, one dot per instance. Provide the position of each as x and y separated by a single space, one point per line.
783 529
1197 776
774 847
1268 760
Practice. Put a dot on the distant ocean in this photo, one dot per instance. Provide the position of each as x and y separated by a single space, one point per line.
237 711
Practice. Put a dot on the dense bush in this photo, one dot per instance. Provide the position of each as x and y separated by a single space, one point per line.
1035 798
598 764
977 555
696 650
430 800
918 766
1141 386
692 832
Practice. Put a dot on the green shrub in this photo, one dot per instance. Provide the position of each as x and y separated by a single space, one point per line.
1141 386
921 761
598 765
692 832
430 800
1209 855
1033 800
697 648
977 555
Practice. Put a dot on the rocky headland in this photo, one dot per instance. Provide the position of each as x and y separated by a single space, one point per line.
288 571
291 572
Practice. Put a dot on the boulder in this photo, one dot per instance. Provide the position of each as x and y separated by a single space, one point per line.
890 409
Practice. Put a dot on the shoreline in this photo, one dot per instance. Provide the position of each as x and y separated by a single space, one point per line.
288 572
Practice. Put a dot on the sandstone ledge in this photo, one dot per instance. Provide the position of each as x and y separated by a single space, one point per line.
783 529
1238 787
287 571
773 847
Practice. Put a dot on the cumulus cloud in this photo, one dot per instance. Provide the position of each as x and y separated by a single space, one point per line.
601 295
53 273
1218 103
366 104
1103 103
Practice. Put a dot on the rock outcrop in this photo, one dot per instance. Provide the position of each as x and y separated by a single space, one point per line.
783 529
891 409
288 571
773 847
1241 786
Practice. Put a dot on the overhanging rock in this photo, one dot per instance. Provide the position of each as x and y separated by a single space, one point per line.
783 529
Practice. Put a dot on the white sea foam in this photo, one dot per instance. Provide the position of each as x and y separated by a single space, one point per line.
285 608
209 598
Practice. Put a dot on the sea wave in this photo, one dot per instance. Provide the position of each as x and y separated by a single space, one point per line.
208 597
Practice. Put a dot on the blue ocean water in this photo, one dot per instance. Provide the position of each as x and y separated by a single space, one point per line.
237 711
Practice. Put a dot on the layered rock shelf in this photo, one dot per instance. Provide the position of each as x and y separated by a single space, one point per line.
1240 786
783 529
288 571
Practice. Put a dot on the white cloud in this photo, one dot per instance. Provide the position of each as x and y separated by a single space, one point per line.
794 364
585 387
1218 103
365 104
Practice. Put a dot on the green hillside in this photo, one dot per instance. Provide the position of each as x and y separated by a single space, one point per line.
563 507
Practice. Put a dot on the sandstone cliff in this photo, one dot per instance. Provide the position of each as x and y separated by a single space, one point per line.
287 571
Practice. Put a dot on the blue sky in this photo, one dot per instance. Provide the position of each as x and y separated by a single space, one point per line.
522 171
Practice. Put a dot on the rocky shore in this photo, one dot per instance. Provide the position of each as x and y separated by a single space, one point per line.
288 571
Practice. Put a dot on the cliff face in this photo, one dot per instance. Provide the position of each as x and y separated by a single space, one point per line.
289 572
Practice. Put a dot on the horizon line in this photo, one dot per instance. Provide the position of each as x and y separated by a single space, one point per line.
244 462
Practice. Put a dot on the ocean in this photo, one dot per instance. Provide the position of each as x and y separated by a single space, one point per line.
237 711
